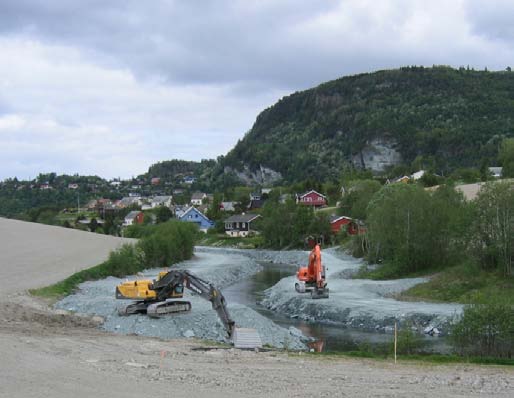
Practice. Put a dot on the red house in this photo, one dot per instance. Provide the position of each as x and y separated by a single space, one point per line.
356 227
134 217
312 198
339 222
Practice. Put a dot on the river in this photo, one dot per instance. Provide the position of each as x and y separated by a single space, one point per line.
334 338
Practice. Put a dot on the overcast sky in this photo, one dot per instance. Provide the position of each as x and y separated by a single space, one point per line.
110 87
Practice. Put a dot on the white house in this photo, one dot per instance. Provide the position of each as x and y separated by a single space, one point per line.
197 198
165 200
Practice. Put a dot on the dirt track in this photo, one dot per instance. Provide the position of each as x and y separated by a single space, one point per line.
44 353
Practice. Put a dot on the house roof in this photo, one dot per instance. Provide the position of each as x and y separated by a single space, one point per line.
242 218
417 175
311 191
195 210
198 196
335 218
161 199
133 214
256 203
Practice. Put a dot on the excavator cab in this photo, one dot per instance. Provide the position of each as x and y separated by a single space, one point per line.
312 278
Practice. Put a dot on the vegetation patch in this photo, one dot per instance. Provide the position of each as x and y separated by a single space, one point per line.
223 240
160 246
461 284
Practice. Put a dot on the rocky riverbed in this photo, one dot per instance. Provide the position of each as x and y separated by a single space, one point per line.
353 303
221 269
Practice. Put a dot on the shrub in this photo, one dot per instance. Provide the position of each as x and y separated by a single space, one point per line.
485 329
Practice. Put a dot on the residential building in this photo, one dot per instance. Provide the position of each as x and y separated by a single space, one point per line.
312 198
239 225
256 204
228 206
339 222
164 200
196 216
255 196
134 217
197 198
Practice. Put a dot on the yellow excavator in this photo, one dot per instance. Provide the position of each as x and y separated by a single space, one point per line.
159 297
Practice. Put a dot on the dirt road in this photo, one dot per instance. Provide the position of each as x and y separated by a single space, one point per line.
46 353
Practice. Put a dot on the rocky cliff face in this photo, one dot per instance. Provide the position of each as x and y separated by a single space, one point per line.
262 176
378 120
377 155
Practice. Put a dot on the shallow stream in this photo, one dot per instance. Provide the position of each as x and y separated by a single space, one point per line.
326 337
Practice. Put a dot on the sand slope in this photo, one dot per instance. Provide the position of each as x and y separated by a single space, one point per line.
35 255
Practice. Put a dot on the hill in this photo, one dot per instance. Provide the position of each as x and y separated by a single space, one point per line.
441 118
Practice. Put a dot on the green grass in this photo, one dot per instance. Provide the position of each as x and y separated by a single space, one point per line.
425 358
462 284
223 240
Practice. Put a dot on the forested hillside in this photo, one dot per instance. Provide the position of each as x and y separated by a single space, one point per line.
440 117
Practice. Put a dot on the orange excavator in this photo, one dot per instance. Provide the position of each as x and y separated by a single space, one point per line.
312 278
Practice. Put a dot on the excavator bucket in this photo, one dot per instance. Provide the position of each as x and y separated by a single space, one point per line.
246 338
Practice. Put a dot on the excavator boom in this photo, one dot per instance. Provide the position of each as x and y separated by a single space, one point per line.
156 298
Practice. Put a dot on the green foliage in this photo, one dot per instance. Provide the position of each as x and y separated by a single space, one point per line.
494 226
450 118
167 243
430 180
163 214
288 224
357 197
413 230
507 157
467 175
214 211
486 328
409 342
462 282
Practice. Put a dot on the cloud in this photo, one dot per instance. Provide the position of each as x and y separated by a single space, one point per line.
89 119
186 79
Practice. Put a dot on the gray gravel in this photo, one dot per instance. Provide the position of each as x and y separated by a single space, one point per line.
354 303
202 322
359 303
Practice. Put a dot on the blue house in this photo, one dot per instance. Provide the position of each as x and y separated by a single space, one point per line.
194 215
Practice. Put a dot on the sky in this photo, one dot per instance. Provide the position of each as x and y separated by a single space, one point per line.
108 88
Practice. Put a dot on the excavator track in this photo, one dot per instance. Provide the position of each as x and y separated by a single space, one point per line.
156 310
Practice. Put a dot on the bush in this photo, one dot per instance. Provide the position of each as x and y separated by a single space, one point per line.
485 329
409 342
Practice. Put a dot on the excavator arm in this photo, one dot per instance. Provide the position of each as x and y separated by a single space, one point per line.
204 289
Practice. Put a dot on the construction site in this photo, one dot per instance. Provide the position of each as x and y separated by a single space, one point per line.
114 337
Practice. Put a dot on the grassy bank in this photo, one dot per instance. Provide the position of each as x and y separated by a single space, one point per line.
459 284
462 284
161 246
424 358
223 240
